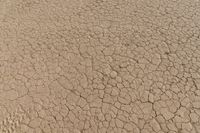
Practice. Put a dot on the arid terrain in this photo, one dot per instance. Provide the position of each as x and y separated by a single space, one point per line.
99 66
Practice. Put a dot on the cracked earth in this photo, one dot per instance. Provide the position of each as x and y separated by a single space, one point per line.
99 66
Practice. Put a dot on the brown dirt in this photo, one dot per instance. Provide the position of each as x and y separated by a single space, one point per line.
99 66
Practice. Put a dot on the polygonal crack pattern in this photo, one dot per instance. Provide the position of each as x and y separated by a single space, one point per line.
99 66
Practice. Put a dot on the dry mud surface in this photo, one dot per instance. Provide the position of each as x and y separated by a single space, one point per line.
99 66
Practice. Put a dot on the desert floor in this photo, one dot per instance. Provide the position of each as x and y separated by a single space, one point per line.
99 66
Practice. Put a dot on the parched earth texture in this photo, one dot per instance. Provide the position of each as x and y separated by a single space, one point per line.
99 66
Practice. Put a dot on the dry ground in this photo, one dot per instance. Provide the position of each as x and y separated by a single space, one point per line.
99 66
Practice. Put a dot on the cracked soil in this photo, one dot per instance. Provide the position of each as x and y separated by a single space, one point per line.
99 66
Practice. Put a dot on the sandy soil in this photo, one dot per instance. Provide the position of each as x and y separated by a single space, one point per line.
99 66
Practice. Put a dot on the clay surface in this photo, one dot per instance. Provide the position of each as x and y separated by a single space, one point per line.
99 66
